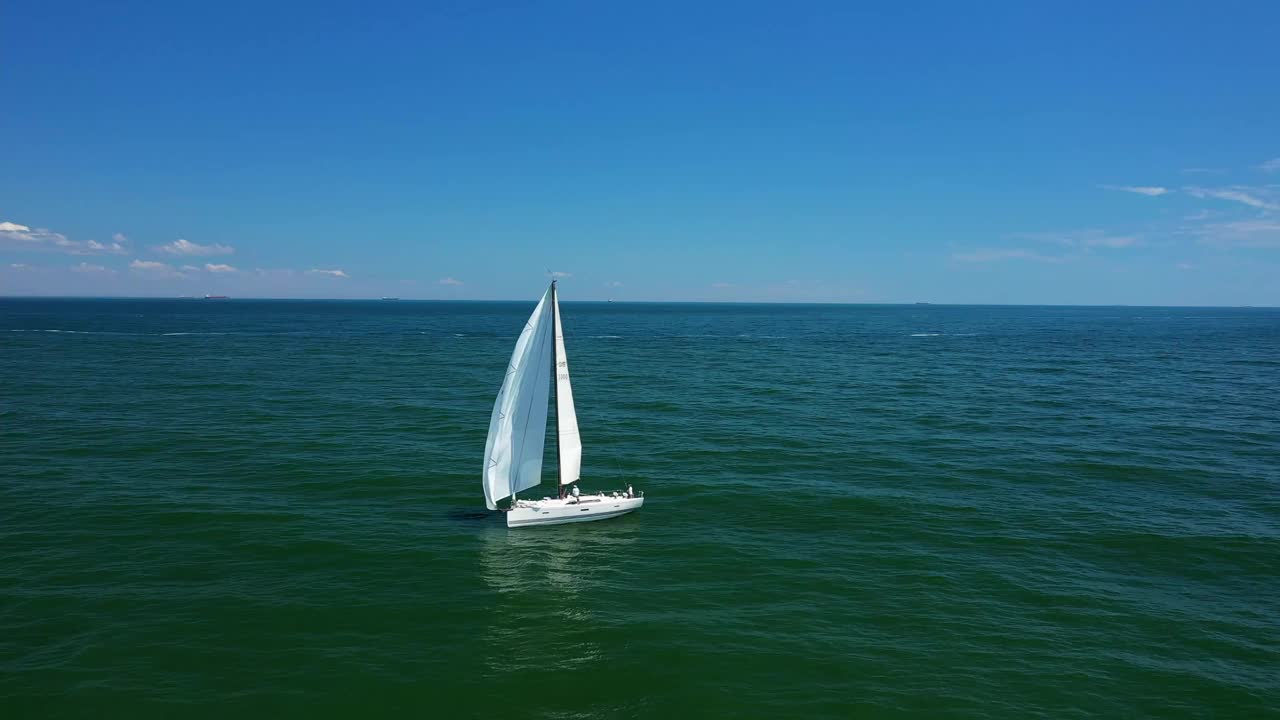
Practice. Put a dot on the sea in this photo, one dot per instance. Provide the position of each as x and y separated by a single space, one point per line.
272 509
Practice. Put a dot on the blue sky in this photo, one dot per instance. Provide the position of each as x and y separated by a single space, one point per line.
995 152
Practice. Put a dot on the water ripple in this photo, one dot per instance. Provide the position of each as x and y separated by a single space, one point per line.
966 512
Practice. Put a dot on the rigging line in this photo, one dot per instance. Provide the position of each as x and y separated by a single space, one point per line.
554 388
612 446
616 464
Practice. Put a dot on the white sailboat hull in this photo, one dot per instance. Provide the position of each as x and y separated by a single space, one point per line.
555 511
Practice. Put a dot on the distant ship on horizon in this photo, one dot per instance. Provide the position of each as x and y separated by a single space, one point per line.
390 298
216 297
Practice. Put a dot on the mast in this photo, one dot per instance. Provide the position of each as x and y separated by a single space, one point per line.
555 370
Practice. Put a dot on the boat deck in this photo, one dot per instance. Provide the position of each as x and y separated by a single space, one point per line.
557 511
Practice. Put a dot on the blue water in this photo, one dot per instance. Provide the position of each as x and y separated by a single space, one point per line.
273 508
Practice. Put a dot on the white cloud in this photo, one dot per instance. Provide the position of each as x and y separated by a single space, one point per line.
19 266
114 248
42 239
120 238
1186 266
450 281
93 247
1262 233
190 268
986 255
1148 190
150 266
211 267
1110 241
155 269
1080 238
1251 196
85 267
559 274
186 247
1083 242
1272 165
331 273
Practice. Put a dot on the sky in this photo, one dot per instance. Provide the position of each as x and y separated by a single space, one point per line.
996 152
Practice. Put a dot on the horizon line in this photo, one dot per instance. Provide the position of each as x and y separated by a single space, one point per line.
614 302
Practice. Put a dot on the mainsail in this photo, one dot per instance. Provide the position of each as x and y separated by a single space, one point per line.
518 426
566 417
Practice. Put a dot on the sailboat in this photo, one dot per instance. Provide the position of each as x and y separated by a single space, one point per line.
518 429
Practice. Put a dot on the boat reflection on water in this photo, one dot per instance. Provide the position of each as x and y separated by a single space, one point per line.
547 588
563 560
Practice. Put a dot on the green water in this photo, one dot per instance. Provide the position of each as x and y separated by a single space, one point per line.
267 509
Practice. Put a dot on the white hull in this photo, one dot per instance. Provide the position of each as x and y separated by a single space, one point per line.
554 511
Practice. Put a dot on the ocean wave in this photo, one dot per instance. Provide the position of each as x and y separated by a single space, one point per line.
71 332
1090 538
109 332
